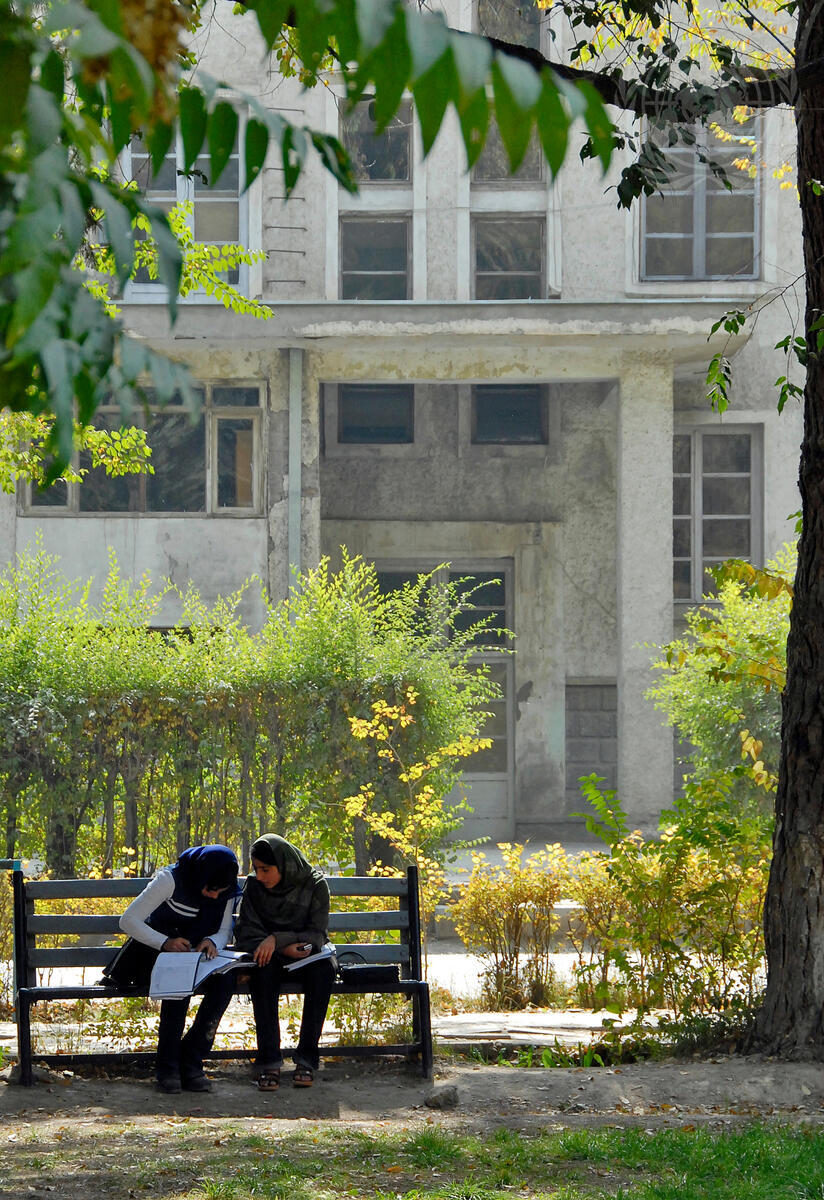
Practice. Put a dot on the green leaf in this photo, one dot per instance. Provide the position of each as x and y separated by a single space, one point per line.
94 39
222 127
472 57
159 140
74 205
427 38
522 81
601 129
120 118
256 143
193 121
271 16
514 124
52 75
390 66
44 117
335 159
474 118
432 93
169 256
293 149
373 20
15 71
118 228
553 124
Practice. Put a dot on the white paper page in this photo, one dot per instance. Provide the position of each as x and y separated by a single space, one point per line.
173 974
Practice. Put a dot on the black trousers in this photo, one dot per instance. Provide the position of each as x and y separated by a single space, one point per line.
266 985
179 1053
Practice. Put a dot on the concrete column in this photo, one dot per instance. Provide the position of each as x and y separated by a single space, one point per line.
645 755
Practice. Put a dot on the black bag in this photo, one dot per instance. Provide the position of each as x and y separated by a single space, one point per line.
131 967
355 971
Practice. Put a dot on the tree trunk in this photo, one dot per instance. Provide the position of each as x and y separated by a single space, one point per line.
791 1021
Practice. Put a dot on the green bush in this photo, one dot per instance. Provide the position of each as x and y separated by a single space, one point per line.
507 916
123 744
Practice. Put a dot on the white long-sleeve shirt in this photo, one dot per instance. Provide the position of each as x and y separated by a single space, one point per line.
161 889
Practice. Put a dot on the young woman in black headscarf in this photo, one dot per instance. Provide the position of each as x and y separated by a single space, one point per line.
284 917
188 906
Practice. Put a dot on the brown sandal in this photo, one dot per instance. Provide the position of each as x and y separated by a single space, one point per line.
269 1081
304 1076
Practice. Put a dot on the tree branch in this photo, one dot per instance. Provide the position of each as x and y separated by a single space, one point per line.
684 104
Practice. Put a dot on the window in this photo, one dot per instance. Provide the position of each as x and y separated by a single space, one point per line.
374 258
375 413
697 228
384 157
209 465
715 514
490 590
493 164
511 20
509 258
509 414
217 213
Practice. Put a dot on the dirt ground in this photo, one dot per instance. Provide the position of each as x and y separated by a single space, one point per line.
466 1095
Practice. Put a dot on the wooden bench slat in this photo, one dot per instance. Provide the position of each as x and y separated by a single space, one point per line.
71 889
68 889
95 923
69 923
341 922
365 885
100 956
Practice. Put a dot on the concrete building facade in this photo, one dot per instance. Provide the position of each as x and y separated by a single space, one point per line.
500 374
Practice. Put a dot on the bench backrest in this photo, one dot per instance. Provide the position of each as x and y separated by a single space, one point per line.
95 929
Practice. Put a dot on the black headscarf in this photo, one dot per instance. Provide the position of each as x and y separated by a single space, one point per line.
299 902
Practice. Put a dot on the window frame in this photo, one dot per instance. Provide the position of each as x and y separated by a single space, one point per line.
503 567
376 217
510 182
389 184
154 291
698 232
480 217
697 558
543 414
213 414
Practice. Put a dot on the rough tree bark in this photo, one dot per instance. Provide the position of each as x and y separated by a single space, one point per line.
791 1021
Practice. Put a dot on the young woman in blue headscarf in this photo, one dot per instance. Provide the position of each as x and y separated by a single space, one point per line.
187 906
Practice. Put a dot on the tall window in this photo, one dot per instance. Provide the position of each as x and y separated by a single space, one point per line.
378 157
716 514
509 256
375 228
374 258
488 596
218 216
698 228
209 465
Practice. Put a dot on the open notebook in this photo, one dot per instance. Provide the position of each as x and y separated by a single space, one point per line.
178 974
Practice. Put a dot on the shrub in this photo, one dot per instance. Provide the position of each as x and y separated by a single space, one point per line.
507 916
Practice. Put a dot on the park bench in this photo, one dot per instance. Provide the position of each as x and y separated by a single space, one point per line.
79 940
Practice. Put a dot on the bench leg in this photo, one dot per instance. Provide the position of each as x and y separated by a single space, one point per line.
24 1040
422 1025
